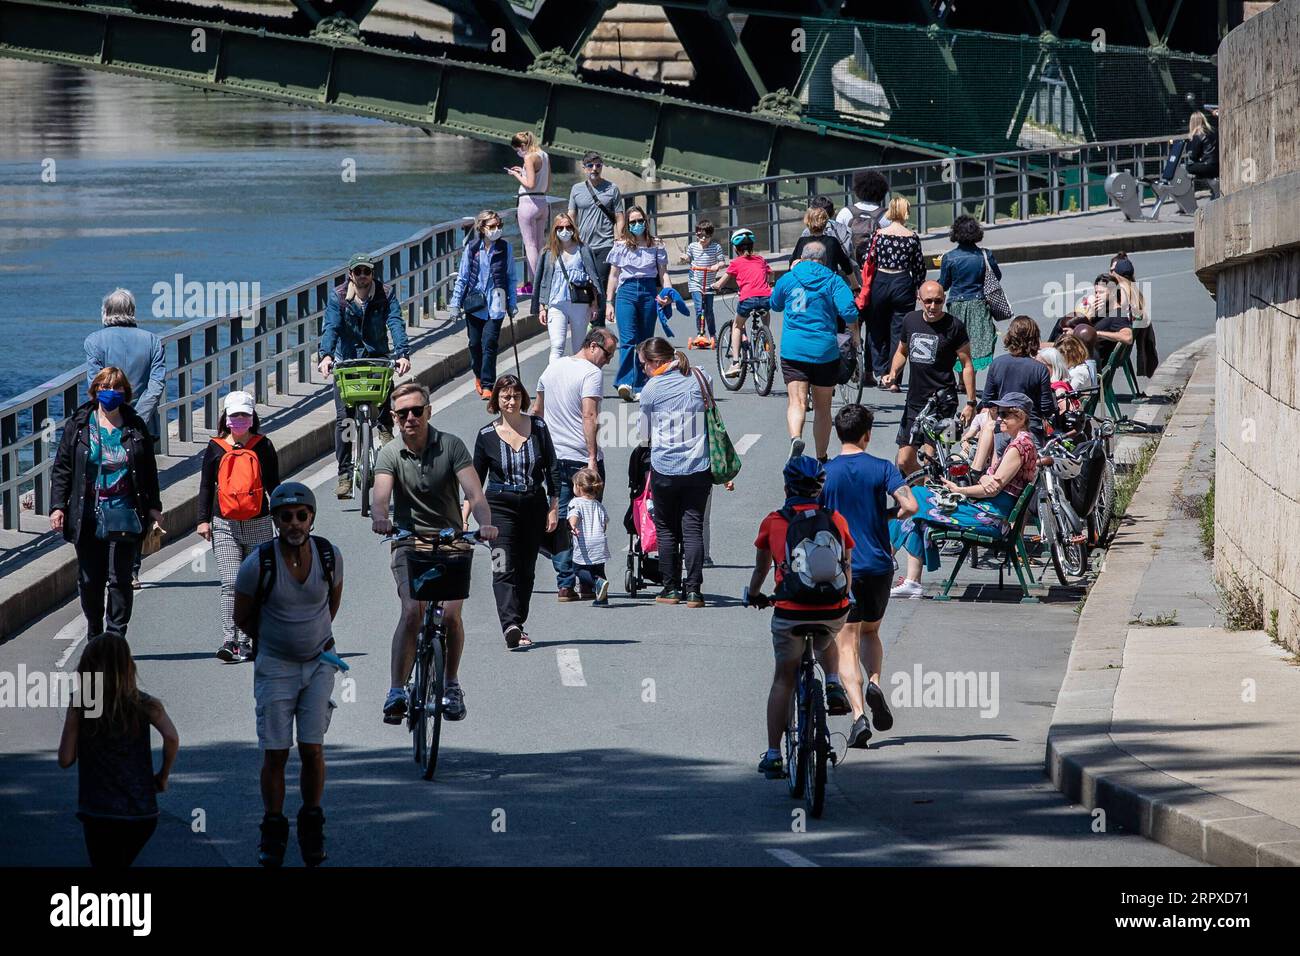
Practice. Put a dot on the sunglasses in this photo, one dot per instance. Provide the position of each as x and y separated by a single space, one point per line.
302 517
362 271
414 411
938 301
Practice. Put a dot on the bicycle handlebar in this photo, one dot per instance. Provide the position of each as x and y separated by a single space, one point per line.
446 534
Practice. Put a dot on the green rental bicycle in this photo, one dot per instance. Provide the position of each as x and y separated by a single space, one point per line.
364 386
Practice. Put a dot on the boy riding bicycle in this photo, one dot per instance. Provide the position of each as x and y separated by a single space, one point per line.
813 567
754 284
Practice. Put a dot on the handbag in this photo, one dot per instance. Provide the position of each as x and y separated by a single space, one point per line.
724 463
863 298
112 524
994 297
152 541
643 519
580 293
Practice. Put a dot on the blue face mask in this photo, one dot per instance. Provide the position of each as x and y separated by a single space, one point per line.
110 398
636 228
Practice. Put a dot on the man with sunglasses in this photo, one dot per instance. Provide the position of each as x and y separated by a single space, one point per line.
426 472
287 594
933 341
360 317
596 205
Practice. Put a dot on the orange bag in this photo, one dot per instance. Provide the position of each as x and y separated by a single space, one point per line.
239 480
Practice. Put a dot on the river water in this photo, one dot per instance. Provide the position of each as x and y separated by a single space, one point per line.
150 180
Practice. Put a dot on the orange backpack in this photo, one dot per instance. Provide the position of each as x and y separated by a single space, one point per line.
239 480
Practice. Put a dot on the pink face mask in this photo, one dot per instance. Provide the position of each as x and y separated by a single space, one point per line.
239 426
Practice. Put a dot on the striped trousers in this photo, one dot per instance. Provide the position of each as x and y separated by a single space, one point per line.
232 542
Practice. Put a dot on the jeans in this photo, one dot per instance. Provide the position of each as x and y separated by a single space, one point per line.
100 565
893 295
562 561
483 338
635 310
520 520
343 433
589 574
602 279
704 312
680 501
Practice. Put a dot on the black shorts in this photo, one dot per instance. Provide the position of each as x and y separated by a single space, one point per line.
870 596
910 410
821 374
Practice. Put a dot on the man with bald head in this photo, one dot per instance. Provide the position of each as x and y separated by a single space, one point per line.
933 341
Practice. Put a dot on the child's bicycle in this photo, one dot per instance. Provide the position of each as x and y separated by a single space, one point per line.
757 352
364 385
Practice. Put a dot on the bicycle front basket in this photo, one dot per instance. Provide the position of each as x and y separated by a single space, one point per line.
363 383
441 574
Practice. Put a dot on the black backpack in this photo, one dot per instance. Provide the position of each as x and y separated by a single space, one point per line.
813 569
266 580
863 225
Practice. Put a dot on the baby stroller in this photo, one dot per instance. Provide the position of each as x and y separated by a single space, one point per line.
642 561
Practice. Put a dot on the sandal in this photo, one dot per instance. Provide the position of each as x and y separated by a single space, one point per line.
516 639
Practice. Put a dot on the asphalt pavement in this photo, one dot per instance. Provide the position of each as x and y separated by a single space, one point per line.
625 735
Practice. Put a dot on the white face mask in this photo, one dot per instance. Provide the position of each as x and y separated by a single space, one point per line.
520 153
564 234
492 235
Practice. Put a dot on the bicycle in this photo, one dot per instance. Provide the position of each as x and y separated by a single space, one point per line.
850 392
1059 525
436 576
807 737
932 428
757 351
364 385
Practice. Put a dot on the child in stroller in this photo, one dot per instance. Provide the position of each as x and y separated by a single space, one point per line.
642 561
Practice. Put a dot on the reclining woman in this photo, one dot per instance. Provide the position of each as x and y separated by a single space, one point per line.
985 505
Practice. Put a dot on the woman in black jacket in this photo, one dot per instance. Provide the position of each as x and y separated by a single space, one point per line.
235 517
516 462
104 496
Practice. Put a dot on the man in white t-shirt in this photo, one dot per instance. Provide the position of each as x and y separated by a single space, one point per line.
568 399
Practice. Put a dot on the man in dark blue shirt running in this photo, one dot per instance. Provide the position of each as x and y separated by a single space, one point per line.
857 484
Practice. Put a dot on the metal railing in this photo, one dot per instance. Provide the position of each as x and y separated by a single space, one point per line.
267 351
993 187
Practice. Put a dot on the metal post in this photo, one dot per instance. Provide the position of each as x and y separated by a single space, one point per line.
733 200
281 368
990 190
1054 183
1084 181
774 217
184 375
211 374
922 203
40 412
692 212
9 503
1022 174
304 310
259 359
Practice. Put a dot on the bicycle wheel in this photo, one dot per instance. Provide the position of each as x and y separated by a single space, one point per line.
415 716
794 774
1104 510
1069 558
433 703
726 358
817 752
763 350
850 392
362 452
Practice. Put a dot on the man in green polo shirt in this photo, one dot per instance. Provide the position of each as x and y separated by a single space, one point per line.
428 469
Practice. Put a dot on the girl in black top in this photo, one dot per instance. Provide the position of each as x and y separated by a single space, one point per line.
815 220
237 534
516 462
106 732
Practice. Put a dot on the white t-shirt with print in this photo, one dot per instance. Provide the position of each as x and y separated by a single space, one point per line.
565 383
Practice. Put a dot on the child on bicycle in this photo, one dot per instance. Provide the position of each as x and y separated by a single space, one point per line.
588 520
705 257
754 284
811 551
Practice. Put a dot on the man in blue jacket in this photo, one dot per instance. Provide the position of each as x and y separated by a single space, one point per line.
355 320
816 305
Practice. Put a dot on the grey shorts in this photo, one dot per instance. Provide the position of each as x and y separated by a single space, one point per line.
787 646
287 692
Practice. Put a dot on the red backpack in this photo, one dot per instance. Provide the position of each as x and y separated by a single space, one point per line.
239 480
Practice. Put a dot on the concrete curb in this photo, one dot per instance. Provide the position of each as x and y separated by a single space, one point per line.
300 437
1082 759
1095 246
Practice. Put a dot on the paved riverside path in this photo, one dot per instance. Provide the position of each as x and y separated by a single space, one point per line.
593 772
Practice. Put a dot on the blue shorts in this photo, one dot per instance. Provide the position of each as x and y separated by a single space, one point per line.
753 304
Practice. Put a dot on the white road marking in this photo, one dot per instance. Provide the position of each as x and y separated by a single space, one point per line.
746 443
791 858
570 667
320 477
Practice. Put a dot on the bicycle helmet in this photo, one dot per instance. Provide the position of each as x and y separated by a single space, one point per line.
741 236
804 476
292 493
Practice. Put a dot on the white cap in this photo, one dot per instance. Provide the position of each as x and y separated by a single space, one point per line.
240 402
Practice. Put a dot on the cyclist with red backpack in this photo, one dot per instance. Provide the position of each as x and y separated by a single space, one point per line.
811 550
240 470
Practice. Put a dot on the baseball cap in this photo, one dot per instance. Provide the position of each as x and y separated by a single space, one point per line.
1123 267
239 402
1014 400
362 259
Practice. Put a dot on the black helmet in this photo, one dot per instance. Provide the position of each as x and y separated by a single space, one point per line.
292 493
804 476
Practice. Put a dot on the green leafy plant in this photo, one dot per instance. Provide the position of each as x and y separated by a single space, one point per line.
1041 207
1127 485
1207 522
1241 605
1160 620
1015 209
1074 203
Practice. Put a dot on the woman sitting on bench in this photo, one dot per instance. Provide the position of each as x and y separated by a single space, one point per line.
984 506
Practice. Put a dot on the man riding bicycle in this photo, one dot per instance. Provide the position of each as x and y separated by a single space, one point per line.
795 580
354 327
427 470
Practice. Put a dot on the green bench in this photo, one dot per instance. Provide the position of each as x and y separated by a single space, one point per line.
1010 547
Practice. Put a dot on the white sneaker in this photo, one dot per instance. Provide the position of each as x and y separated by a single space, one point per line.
625 392
911 590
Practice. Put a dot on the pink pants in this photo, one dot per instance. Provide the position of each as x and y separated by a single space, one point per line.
532 214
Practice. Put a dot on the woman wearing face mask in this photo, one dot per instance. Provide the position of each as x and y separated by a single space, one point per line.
638 271
240 470
485 294
104 496
534 180
567 295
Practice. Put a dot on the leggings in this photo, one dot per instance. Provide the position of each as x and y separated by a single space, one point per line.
532 215
566 322
233 541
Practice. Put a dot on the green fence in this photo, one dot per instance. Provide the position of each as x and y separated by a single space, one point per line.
987 92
